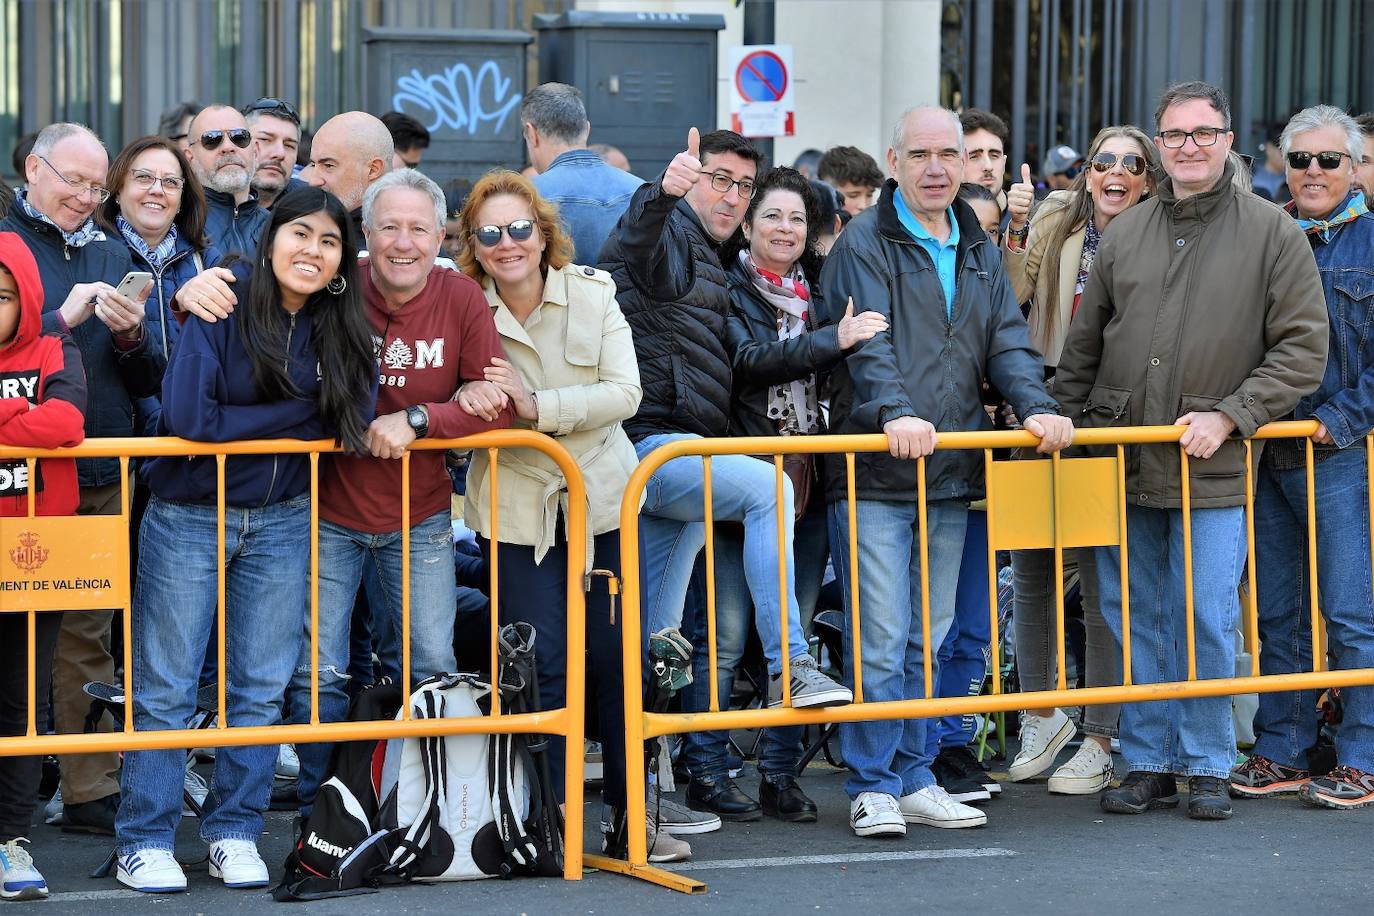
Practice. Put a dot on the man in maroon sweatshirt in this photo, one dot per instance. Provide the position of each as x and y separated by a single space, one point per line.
433 331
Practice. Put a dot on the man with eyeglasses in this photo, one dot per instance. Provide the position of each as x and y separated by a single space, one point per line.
80 268
1321 146
220 150
920 258
663 255
1204 310
276 130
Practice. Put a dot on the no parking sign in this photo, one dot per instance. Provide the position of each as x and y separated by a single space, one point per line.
761 90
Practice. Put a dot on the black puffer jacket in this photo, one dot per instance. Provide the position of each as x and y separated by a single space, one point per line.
761 361
671 287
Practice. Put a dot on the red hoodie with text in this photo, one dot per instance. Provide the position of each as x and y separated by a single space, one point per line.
42 397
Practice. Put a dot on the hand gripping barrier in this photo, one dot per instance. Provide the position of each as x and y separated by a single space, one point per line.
1053 504
82 563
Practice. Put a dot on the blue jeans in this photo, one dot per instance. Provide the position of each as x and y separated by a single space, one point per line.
266 558
672 533
1286 723
1193 737
433 597
963 657
891 756
781 749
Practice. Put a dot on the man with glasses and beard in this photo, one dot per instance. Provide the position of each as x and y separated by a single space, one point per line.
220 149
1203 309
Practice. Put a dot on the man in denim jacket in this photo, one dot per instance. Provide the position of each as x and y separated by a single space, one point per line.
1322 146
590 194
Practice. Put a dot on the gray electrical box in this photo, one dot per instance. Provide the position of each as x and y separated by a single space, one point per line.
646 77
464 85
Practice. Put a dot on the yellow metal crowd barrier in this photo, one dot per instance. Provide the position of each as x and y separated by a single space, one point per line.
1055 504
76 564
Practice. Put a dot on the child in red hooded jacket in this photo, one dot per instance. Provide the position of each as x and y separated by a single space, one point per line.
42 399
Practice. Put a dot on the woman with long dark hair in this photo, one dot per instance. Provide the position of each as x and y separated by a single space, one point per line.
294 360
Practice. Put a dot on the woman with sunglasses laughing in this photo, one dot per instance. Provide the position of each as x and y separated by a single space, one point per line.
570 371
1048 262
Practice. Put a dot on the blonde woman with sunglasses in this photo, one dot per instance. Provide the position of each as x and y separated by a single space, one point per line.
1047 261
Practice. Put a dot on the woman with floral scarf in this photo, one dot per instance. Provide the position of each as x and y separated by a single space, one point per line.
779 359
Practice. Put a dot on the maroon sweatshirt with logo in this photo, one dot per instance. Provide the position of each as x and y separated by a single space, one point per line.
426 350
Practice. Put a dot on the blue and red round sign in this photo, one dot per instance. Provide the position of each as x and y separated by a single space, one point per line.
761 77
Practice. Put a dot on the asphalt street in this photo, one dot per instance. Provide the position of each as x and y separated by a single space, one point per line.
1038 854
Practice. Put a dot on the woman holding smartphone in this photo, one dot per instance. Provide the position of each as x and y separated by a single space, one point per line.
294 360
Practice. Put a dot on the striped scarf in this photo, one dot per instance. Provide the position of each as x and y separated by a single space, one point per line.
88 231
156 257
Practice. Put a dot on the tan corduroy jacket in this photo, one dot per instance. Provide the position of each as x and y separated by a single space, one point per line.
576 357
1031 283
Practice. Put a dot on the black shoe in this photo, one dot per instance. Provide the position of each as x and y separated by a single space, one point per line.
1208 798
959 786
91 817
721 796
784 799
967 765
1139 792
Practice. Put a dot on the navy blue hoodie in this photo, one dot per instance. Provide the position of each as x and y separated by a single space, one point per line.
209 395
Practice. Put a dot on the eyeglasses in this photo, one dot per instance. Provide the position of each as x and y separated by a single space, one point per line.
723 183
91 191
274 107
1131 162
1202 136
1329 160
211 139
145 180
490 236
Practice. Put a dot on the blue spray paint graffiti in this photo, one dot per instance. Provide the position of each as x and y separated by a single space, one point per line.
456 98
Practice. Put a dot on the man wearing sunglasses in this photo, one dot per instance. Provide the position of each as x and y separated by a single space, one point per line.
220 150
80 268
276 128
1203 310
1321 146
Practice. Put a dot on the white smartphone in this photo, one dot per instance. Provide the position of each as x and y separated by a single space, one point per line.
133 283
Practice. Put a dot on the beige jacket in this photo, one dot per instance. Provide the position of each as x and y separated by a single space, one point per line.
576 357
1031 284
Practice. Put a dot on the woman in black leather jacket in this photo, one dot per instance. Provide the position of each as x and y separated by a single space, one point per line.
779 356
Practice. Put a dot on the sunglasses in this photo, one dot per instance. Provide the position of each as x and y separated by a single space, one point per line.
276 107
1131 162
211 139
1329 160
490 236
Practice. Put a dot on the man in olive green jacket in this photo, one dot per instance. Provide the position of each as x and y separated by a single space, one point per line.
1204 309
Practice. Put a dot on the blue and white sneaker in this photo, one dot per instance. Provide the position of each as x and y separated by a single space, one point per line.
237 863
153 871
19 880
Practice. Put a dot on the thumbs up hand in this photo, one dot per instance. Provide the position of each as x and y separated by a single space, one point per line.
685 168
1020 197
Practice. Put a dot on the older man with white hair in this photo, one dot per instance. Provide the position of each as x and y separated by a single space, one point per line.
920 258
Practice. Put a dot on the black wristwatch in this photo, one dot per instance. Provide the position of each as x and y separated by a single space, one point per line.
418 420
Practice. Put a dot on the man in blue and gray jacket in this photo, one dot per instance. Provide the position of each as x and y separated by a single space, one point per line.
80 268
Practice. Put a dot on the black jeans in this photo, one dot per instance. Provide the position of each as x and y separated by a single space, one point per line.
538 594
19 776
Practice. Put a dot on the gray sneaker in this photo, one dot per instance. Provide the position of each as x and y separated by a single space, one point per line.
810 687
677 819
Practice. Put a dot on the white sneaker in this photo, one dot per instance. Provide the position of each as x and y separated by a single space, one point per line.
52 811
933 807
153 871
288 764
1041 741
193 785
876 814
19 880
237 862
1088 772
